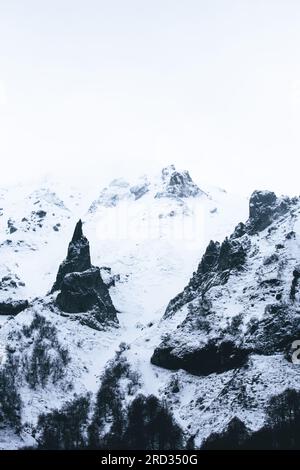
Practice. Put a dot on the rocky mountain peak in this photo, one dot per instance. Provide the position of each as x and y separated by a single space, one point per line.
81 286
170 183
210 257
78 257
259 201
78 234
264 208
178 184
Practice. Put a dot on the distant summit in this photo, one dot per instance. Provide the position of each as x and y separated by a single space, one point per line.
178 184
170 183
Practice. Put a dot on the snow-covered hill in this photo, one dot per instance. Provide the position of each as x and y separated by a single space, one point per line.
217 351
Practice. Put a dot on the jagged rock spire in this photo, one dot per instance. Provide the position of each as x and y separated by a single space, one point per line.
78 258
81 286
78 234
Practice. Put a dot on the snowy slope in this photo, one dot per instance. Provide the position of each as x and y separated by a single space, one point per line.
154 242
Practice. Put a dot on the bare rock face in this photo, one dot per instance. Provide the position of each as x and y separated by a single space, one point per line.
264 208
215 268
86 291
11 226
82 289
200 278
214 357
295 287
275 332
232 255
78 258
13 307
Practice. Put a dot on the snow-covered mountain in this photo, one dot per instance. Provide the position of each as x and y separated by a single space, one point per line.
237 320
216 353
132 231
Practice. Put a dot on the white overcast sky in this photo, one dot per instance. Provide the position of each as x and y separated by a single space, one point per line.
113 87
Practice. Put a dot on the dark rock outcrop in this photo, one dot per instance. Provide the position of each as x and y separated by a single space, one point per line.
200 279
260 203
295 283
291 235
80 292
210 258
86 291
215 267
13 307
275 332
9 282
11 226
78 257
239 231
232 255
264 208
82 289
40 213
215 356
